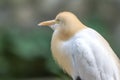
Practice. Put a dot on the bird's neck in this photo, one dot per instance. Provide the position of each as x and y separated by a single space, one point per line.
65 34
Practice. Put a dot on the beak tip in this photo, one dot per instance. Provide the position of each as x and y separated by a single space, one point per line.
39 24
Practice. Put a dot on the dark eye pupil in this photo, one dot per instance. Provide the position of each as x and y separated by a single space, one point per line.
58 20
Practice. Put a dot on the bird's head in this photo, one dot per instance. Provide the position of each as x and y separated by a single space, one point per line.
62 20
65 22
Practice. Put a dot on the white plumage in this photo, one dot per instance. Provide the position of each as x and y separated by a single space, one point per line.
82 52
88 55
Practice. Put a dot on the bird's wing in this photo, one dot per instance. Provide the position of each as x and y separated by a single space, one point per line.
85 61
93 61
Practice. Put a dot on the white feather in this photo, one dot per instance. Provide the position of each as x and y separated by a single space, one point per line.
91 56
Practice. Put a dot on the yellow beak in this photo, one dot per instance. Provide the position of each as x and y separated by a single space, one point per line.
47 23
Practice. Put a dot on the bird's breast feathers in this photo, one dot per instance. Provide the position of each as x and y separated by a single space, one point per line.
88 54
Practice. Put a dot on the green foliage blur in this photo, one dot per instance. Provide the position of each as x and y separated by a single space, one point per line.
25 47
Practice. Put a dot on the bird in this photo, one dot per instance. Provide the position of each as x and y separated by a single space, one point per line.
82 52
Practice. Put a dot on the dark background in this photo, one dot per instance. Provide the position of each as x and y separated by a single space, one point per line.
25 47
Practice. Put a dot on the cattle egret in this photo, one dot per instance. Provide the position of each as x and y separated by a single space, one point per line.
81 51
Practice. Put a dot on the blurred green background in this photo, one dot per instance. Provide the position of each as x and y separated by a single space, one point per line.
25 47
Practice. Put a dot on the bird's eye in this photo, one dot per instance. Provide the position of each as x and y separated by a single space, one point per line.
57 20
